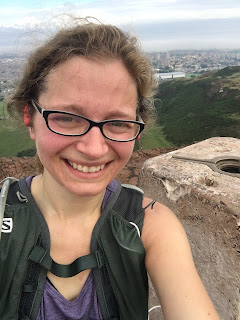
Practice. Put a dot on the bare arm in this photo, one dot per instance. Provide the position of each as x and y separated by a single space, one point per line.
171 268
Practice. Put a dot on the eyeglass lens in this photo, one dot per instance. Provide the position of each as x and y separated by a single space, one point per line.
75 125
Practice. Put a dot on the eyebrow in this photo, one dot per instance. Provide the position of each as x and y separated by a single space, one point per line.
115 114
70 108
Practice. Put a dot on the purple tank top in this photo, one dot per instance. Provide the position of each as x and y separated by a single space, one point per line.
85 307
55 307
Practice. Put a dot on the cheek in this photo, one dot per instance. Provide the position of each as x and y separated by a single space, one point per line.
125 150
48 143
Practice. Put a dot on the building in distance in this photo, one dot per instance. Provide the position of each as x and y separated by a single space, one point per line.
169 75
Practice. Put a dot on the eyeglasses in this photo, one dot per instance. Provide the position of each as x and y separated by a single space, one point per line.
70 124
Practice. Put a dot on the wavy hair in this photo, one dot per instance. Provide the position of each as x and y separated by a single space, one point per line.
95 41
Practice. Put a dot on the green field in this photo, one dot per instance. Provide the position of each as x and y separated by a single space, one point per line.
12 139
154 138
1 109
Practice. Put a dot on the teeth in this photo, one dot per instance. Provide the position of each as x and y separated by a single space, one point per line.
86 169
79 167
74 165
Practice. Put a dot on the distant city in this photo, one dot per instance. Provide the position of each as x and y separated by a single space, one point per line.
189 62
10 69
194 61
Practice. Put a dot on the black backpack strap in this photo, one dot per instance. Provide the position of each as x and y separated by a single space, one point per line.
129 205
106 298
4 195
42 257
35 278
16 247
117 223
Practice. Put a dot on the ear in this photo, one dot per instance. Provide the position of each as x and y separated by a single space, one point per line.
27 122
31 133
138 138
26 116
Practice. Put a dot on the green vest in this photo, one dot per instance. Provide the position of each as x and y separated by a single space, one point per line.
117 257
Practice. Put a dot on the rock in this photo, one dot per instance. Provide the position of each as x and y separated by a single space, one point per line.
207 202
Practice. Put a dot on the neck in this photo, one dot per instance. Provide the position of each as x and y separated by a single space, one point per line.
54 200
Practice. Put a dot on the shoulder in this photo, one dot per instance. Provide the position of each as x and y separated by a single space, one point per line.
159 222
161 230
165 241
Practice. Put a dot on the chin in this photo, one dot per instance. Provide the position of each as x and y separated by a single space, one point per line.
86 189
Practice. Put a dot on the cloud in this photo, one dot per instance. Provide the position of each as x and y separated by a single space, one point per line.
214 33
143 11
158 23
125 11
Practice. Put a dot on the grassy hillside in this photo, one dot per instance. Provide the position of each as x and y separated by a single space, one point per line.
1 109
13 139
155 138
192 110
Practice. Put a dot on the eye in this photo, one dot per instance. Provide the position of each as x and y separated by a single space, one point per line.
64 120
119 126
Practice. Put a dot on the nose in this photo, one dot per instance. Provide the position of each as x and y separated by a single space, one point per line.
93 144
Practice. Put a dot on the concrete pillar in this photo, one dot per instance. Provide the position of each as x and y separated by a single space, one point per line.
201 184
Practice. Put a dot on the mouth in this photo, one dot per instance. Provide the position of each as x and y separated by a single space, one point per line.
86 169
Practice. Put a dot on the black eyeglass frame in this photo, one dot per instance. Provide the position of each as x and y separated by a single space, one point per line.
45 113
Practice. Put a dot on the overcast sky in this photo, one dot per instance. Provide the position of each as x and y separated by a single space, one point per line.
160 24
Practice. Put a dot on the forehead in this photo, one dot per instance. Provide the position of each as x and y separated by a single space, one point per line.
87 83
85 69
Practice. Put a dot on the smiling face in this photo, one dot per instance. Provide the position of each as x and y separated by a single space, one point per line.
97 90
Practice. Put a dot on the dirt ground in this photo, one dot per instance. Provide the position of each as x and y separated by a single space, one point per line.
20 167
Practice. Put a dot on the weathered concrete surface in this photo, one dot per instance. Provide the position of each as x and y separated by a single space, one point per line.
208 205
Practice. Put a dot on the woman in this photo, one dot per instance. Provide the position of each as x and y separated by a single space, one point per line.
89 241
